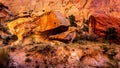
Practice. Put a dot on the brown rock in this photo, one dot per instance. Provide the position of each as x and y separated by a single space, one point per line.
117 57
4 12
68 35
94 58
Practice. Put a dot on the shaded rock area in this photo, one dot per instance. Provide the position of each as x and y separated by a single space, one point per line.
5 15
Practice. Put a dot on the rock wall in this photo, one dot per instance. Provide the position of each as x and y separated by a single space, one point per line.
82 9
99 23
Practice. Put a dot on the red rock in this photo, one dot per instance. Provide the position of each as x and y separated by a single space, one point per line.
99 23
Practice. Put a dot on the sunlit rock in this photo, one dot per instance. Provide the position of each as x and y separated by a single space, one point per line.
99 23
48 24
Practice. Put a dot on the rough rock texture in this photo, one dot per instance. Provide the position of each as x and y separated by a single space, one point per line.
99 23
61 55
68 35
20 27
51 20
5 13
94 59
56 54
82 9
48 24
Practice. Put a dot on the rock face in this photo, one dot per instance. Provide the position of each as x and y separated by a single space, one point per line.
4 13
45 26
81 9
20 27
99 23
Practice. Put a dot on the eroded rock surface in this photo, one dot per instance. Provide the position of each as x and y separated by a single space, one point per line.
80 8
63 55
5 13
99 23
36 20
50 23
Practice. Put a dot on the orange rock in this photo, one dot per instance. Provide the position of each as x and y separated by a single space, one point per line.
51 20
45 25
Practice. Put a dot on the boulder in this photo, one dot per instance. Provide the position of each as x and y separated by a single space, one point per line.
51 20
68 35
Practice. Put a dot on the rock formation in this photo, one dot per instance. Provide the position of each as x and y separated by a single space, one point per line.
81 9
5 13
50 23
99 23
68 35
36 22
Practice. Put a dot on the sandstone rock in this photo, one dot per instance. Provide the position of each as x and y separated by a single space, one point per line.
117 57
99 23
4 13
49 23
79 8
51 20
20 27
94 58
68 35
